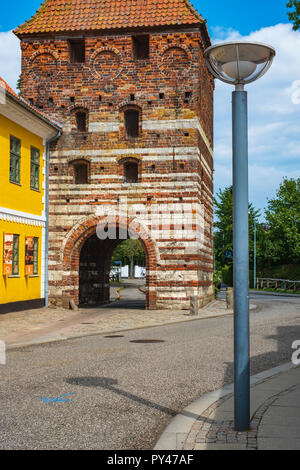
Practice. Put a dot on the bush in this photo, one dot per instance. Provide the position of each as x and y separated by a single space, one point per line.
227 275
251 279
284 271
217 282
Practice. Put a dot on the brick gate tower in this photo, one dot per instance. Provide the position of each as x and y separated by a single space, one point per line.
128 81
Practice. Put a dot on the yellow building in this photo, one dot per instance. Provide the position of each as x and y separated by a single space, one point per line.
25 136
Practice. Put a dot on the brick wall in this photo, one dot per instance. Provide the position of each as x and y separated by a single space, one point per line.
173 93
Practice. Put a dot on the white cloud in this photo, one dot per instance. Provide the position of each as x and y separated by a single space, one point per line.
274 117
10 58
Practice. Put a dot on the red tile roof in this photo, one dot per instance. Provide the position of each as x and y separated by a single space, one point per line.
6 87
27 105
89 15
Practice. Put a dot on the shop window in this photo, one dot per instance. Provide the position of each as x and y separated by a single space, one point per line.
10 254
31 255
35 255
15 255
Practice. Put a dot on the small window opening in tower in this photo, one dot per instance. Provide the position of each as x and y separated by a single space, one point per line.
140 45
80 171
77 51
187 96
131 172
132 123
81 121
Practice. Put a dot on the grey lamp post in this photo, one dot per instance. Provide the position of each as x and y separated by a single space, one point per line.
254 256
239 63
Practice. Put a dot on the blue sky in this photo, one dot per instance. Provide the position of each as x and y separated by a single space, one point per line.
274 100
226 13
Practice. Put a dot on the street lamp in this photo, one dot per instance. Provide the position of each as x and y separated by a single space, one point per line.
239 63
254 256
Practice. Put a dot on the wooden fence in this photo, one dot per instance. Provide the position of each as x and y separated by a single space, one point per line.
283 284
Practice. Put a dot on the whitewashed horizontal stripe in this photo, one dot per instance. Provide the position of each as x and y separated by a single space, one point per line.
122 186
68 180
206 167
109 126
149 175
132 151
156 125
144 158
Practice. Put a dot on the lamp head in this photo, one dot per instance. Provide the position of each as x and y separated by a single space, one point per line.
239 62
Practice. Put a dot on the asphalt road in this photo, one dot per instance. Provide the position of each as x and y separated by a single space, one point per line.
124 393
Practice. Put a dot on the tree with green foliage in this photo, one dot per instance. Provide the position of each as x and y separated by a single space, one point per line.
129 252
19 85
283 219
294 15
223 237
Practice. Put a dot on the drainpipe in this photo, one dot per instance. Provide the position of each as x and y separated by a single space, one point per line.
48 143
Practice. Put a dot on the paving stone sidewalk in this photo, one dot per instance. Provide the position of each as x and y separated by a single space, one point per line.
275 417
48 324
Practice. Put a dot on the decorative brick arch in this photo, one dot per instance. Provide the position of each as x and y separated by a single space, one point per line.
85 230
55 65
181 48
113 63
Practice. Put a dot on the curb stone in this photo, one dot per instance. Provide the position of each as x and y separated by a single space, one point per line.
179 428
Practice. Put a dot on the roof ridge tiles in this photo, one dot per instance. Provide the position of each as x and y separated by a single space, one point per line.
70 14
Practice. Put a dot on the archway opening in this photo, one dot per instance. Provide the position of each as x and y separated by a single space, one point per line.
112 268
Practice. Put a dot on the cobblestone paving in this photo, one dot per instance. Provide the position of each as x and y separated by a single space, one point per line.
206 430
51 323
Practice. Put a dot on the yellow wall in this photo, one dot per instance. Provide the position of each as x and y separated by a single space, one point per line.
23 199
21 287
14 196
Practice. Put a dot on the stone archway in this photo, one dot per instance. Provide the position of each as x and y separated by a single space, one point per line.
87 229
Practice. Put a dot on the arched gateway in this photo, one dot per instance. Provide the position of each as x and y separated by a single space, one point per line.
136 102
74 266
